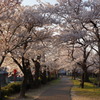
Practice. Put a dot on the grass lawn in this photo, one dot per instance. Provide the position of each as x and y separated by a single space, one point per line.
90 92
94 80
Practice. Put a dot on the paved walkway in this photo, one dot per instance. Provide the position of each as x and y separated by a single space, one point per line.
60 91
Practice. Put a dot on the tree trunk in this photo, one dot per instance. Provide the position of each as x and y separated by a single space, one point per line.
36 78
49 76
44 79
99 73
99 62
37 72
23 87
86 76
82 81
30 80
1 62
74 75
56 75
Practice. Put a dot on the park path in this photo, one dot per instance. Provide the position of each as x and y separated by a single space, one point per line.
59 91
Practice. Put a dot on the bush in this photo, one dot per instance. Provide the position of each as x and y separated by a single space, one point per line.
10 89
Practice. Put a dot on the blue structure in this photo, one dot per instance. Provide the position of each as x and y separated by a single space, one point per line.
3 76
62 72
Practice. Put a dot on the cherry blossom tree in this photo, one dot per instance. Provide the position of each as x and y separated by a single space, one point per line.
90 22
79 19
7 9
31 38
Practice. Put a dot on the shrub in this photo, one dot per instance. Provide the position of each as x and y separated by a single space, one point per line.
10 89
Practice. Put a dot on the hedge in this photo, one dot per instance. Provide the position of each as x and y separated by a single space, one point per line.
10 89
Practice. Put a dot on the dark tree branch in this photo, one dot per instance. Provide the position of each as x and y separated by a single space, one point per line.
90 64
2 60
19 65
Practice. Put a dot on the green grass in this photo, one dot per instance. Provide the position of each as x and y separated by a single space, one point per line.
55 81
89 90
94 80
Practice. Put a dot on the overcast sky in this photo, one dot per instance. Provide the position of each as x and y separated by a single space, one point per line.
32 2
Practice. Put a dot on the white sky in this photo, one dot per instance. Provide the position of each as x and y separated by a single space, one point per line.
32 2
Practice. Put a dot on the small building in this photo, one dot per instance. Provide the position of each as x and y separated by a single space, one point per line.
62 72
3 76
